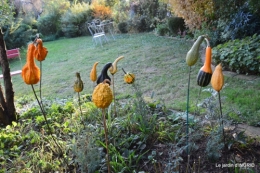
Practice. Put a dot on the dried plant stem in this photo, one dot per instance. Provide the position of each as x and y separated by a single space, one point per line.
114 95
80 110
194 167
106 138
199 165
45 118
188 164
187 111
221 117
160 168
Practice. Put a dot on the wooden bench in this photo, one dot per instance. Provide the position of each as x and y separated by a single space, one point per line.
11 54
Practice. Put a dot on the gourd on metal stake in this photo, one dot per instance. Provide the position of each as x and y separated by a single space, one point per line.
40 54
30 72
129 78
217 82
93 73
205 72
102 97
113 70
78 87
191 59
103 75
31 75
193 54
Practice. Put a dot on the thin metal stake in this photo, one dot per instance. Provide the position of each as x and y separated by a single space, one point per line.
187 111
221 117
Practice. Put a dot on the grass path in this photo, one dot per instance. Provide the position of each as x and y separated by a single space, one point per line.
160 69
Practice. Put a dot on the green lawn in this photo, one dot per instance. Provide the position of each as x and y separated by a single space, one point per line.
158 64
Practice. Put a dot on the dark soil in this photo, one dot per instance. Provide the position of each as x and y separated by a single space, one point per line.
236 158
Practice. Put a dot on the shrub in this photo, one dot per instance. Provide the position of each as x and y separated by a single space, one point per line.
100 11
49 24
18 35
194 12
176 24
142 24
50 37
123 27
73 21
120 12
242 23
241 56
162 29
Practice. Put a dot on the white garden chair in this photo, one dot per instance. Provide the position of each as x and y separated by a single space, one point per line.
97 33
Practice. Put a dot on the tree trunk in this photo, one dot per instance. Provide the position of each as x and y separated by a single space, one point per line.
7 104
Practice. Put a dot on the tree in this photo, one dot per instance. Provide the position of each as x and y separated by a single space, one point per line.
7 108
193 12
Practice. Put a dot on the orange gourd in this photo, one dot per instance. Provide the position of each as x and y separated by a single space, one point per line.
30 72
102 95
217 79
207 65
205 73
93 72
40 52
129 78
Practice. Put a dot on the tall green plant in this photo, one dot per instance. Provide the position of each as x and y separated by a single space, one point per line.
73 21
6 9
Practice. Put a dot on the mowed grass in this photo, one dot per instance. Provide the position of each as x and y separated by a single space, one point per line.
158 64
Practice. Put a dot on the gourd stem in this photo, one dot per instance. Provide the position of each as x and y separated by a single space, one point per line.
207 40
123 70
126 73
50 133
187 111
106 138
80 111
114 95
221 117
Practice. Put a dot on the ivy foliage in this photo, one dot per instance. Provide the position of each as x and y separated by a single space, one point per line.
241 56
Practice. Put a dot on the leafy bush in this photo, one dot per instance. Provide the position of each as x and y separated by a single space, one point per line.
142 14
243 23
214 145
18 35
241 56
176 24
49 24
194 12
123 27
162 29
142 24
101 11
73 21
119 12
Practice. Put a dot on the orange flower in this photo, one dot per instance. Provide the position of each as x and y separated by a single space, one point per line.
30 72
41 52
